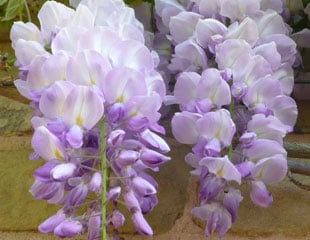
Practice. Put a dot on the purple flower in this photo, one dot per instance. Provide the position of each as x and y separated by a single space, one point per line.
141 224
52 222
221 167
217 217
68 228
260 195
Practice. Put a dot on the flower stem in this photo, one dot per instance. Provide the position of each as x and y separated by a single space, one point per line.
27 11
104 179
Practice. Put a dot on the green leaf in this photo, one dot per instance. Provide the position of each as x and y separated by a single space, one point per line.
3 2
11 10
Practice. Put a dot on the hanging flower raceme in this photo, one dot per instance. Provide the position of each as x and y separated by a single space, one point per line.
233 66
86 66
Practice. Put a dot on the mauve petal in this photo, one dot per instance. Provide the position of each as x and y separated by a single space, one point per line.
152 158
302 37
166 9
53 16
152 139
210 187
285 75
218 125
267 127
52 222
116 219
83 17
285 109
137 124
47 145
184 127
67 39
206 28
75 136
142 187
185 88
238 9
132 202
222 167
95 182
141 224
101 39
144 107
246 30
116 137
26 51
114 193
189 56
63 171
127 157
217 217
245 168
121 84
286 46
182 26
77 195
271 169
263 148
209 8
94 224
228 52
248 69
260 195
80 105
131 54
23 88
68 228
43 173
27 31
52 100
270 53
88 68
214 87
265 28
231 201
262 91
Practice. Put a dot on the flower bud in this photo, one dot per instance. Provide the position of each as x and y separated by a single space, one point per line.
114 193
116 138
142 187
154 140
52 222
260 195
95 182
116 219
141 224
127 157
63 171
138 124
68 228
152 158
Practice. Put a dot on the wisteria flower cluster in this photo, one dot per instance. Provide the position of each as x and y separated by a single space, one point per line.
232 61
96 90
96 94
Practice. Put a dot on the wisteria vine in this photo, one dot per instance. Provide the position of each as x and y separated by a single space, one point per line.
232 61
96 94
96 90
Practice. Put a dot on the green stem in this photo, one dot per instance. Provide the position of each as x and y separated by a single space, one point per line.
104 179
27 11
231 110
